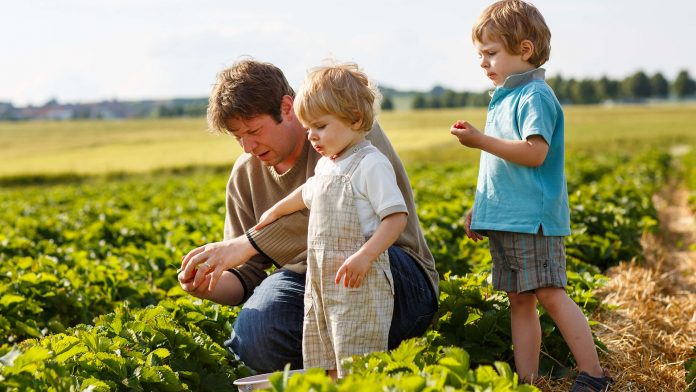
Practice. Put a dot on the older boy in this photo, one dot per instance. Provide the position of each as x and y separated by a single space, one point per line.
521 197
253 102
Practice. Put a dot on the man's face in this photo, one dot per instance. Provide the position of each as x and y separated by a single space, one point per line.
269 141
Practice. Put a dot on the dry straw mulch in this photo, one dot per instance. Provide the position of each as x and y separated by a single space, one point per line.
650 329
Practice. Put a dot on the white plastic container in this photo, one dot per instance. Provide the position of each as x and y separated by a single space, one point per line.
259 381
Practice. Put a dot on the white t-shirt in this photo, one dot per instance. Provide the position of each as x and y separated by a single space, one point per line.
375 192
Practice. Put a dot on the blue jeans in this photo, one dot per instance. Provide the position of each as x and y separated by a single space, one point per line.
268 331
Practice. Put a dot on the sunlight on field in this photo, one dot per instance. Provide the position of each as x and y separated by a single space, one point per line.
91 147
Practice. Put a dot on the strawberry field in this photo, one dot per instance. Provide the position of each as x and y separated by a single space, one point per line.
89 298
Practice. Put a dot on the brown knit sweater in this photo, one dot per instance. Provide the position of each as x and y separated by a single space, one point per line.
253 188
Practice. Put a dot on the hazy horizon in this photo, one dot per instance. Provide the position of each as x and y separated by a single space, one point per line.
79 51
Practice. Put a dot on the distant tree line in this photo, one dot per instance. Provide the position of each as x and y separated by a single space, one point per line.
635 88
113 109
181 108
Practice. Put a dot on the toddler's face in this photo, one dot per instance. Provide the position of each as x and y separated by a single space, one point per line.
498 63
330 135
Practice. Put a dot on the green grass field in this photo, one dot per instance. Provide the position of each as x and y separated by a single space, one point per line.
98 147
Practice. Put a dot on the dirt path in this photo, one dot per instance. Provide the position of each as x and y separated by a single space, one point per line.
651 328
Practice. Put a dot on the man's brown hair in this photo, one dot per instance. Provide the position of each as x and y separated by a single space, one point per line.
246 89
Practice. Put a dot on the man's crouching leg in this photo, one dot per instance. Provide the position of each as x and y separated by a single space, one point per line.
414 300
268 331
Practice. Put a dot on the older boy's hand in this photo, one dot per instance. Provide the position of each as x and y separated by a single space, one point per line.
467 134
467 224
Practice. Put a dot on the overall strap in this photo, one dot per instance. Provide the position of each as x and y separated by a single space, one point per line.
359 155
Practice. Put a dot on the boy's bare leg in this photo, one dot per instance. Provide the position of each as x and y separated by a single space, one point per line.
526 334
333 373
573 326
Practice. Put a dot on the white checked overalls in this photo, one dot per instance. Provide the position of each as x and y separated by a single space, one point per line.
339 321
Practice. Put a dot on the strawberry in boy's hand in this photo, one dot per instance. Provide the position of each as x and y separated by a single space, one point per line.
459 124
467 134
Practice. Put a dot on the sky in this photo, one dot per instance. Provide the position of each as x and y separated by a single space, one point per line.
86 50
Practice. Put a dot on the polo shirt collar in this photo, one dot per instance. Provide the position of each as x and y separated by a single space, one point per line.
515 80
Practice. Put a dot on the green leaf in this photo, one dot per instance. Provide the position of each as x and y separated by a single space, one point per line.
457 360
114 363
9 358
30 360
69 353
407 351
9 299
151 313
4 323
162 376
690 367
159 353
504 370
410 383
28 329
94 385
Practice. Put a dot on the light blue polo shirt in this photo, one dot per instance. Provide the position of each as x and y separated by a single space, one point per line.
516 198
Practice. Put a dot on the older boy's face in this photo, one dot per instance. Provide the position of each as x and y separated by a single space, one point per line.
498 63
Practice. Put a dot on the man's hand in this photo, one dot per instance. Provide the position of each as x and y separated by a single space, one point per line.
186 283
203 266
470 233
353 271
229 290
467 134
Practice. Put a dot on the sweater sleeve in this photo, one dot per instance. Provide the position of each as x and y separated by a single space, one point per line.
283 240
240 214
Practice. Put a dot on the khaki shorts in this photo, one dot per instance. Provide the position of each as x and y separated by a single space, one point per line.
525 262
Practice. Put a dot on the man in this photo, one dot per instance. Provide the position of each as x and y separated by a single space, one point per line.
253 102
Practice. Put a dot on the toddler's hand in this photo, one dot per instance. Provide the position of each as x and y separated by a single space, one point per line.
353 271
266 219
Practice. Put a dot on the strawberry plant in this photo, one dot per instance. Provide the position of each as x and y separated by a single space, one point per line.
417 365
169 347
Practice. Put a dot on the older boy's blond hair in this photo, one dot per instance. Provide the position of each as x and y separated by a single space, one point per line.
341 90
511 22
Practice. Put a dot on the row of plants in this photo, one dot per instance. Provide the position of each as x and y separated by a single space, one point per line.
689 169
174 346
609 215
105 254
71 253
417 365
689 173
